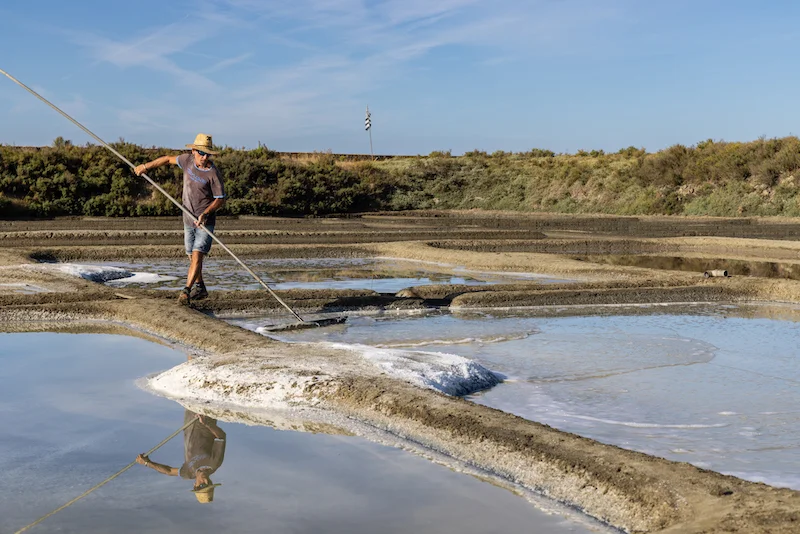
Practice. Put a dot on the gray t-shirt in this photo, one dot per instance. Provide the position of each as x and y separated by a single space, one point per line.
200 188
201 449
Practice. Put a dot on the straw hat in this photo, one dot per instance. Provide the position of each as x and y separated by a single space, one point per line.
206 494
203 142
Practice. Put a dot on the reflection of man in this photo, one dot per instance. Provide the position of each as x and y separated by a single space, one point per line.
204 450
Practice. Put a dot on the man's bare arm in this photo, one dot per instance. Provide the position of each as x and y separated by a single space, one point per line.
158 162
161 468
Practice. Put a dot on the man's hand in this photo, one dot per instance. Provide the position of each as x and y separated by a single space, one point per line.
213 427
140 169
142 459
201 220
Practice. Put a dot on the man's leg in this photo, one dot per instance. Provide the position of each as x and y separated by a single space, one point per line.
188 240
195 269
201 247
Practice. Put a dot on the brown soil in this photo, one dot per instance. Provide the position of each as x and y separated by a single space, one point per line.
629 490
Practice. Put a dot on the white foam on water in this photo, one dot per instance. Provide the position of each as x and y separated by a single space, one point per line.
94 273
101 273
142 278
463 341
634 424
446 373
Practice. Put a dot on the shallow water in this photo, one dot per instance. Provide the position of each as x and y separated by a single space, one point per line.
72 416
381 275
710 385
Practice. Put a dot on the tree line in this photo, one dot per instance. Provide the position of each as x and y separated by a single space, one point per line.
715 178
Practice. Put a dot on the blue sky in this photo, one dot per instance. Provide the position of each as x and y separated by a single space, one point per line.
456 75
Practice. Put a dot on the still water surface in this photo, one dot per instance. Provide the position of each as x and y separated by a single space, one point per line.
73 416
714 385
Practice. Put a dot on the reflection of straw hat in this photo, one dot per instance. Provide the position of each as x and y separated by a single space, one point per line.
203 142
206 494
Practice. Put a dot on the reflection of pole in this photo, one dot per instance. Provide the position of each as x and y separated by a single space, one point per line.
109 479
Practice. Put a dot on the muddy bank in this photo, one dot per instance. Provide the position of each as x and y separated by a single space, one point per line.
89 253
157 237
633 491
629 490
558 246
413 225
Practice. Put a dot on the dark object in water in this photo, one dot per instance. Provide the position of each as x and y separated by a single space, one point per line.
306 324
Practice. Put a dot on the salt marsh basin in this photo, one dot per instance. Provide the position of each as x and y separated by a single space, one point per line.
630 490
74 416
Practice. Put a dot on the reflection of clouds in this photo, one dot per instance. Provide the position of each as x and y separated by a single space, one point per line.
293 483
85 374
333 479
70 414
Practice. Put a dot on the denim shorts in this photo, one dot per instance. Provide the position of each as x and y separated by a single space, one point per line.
197 239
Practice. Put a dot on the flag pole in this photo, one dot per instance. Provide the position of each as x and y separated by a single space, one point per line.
371 153
368 127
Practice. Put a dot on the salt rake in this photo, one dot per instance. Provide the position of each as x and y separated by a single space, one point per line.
301 324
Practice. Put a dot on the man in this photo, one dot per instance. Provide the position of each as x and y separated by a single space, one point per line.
203 195
204 451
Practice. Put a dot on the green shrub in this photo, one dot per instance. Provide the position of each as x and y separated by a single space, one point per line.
710 178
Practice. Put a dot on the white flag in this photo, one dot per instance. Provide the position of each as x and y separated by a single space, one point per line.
367 120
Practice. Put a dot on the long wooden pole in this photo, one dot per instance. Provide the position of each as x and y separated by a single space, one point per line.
154 184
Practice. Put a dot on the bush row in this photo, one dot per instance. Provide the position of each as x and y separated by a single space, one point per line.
70 180
710 178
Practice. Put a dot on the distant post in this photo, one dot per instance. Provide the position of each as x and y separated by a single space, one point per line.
368 127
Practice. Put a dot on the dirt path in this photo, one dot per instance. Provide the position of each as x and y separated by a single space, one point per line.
632 491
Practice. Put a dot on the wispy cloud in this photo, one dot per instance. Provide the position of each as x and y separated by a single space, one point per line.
305 65
152 51
435 73
397 12
229 62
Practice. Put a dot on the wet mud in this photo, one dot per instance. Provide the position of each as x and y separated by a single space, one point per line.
731 267
629 490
